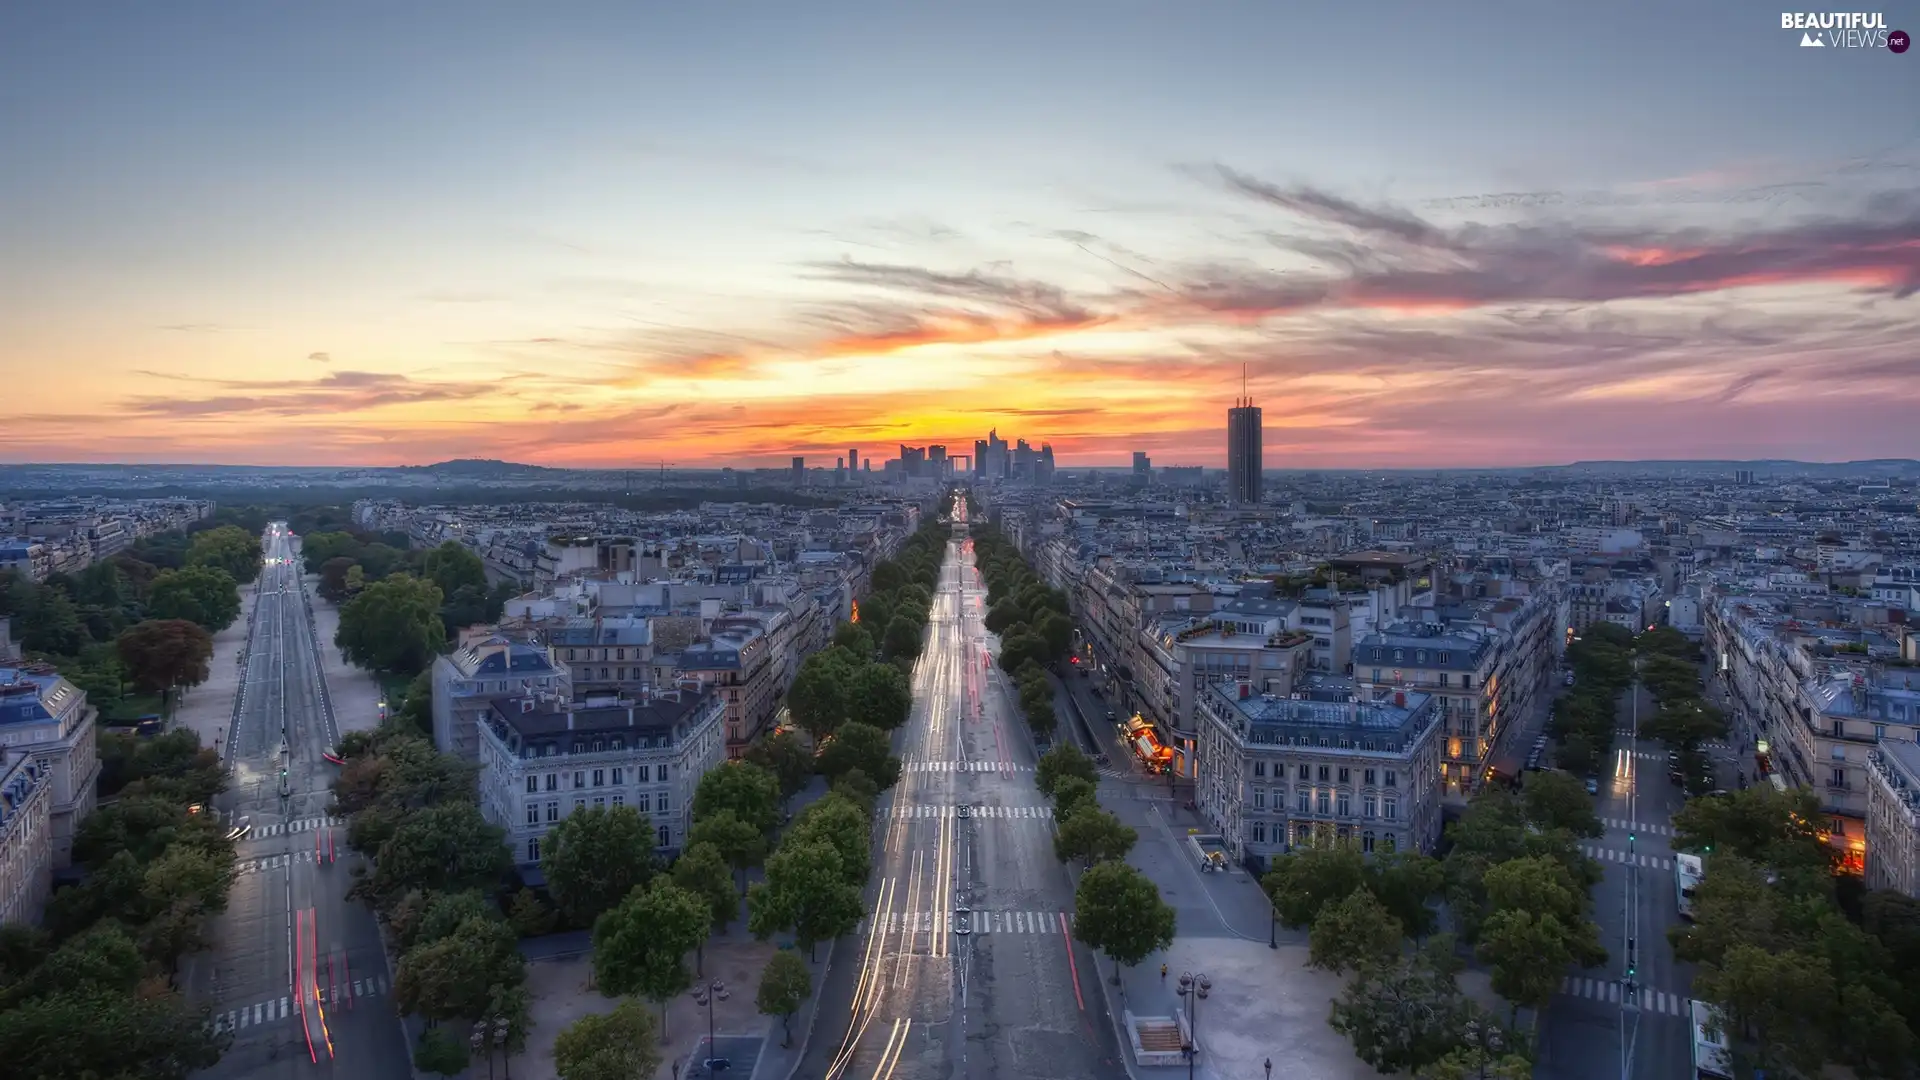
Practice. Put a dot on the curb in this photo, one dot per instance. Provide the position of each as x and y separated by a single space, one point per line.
806 1033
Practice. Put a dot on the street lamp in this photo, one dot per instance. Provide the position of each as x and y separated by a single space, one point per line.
1487 1040
708 996
1193 988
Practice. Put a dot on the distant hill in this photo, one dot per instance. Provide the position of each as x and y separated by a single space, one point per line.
480 469
1882 467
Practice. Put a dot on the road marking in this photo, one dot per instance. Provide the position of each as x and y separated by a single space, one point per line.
1623 825
967 766
925 811
302 825
273 1009
1658 1002
1614 855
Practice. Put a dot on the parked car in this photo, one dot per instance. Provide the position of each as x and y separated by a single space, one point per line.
1593 786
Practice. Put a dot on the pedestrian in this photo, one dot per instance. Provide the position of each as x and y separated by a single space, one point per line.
1163 973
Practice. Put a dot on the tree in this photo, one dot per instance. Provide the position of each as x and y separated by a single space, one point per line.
1055 631
1779 830
616 1045
199 594
742 845
1021 646
1307 880
751 792
1556 800
452 566
594 857
859 746
787 757
1528 953
1402 1016
161 654
441 1051
1002 615
103 958
99 1033
1071 796
1352 933
228 548
784 984
1782 999
443 848
854 638
530 915
902 638
880 697
393 625
421 917
333 579
455 977
1062 761
806 892
842 824
641 945
1093 835
822 692
1404 882
703 871
1118 911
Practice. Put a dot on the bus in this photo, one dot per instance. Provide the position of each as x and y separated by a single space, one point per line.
1687 872
1711 1060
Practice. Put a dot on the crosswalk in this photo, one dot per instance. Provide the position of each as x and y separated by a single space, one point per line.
1614 855
976 922
1609 991
272 862
274 1010
1710 744
1025 812
965 766
1643 828
303 825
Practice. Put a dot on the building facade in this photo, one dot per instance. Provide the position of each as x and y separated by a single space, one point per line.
26 837
47 718
466 681
1245 454
1893 817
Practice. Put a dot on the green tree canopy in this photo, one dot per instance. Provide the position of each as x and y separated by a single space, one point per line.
741 844
616 1045
454 978
1118 911
880 697
1557 800
1063 760
199 594
444 848
161 654
228 548
1354 932
594 857
1094 835
640 946
858 746
784 984
822 691
787 756
807 893
393 625
751 792
842 824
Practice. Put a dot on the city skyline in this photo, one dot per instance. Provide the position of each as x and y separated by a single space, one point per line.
662 236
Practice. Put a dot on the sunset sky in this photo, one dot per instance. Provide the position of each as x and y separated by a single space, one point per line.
614 234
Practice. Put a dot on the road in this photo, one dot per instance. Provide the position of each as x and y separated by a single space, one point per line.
296 971
967 967
1591 1021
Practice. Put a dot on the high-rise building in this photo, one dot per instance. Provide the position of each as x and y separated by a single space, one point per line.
1142 468
937 462
799 469
853 460
1244 459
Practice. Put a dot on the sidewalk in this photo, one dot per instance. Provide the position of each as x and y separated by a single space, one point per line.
207 709
354 691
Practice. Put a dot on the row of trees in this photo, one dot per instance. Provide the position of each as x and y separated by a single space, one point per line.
158 866
398 614
85 623
1586 718
1670 670
1516 886
1033 620
438 868
1803 966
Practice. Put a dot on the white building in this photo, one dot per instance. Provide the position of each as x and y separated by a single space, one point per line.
541 760
46 717
466 681
26 836
1893 817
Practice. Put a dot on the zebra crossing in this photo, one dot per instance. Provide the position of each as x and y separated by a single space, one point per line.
1614 855
975 922
1021 812
965 766
271 862
1623 825
274 1010
303 825
1609 990
1710 744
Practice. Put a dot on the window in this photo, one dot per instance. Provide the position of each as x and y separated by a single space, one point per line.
533 850
1260 768
579 780
1305 801
1376 672
1323 802
1259 798
619 799
533 813
1306 773
619 654
1839 753
533 785
666 836
1445 658
1387 843
569 654
660 772
1393 778
599 778
1839 729
1367 777
1259 832
1346 774
599 802
1443 679
618 776
1466 683
553 811
1345 803
599 746
1879 731
1376 656
1399 656
1420 657
1839 778
579 804
553 781
1368 806
1390 809
1366 841
1323 774
603 674
660 800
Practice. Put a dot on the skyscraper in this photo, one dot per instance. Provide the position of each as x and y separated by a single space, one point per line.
1243 452
853 460
1142 468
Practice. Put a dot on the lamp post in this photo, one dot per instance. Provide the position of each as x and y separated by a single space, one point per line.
1486 1041
1193 988
500 1029
477 1039
708 996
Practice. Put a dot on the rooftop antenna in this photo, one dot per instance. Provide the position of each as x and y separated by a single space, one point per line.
1243 382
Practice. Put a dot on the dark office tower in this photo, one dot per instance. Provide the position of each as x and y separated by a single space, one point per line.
1142 468
937 462
979 457
1243 453
799 469
853 460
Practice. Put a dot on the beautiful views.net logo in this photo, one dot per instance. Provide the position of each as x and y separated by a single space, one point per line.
1845 30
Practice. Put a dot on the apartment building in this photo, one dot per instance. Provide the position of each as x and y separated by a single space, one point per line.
26 836
47 718
542 759
1893 816
1245 640
1455 666
467 680
1325 763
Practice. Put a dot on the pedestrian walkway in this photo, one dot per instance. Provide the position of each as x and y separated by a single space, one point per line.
1614 855
977 922
1027 812
1627 733
275 1010
965 766
272 862
1657 1002
1623 825
303 825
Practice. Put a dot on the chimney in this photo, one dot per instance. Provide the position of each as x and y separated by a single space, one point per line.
1400 698
1246 691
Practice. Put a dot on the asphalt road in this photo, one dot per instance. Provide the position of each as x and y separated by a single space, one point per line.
1592 1020
967 967
296 972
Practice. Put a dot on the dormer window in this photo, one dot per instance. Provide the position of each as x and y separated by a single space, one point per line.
1399 656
